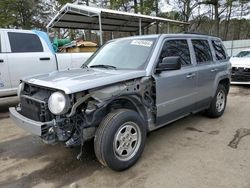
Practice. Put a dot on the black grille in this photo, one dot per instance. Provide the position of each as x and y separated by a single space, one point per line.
33 103
241 70
240 74
35 110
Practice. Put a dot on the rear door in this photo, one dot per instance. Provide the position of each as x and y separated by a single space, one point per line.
175 89
28 56
5 84
220 57
205 68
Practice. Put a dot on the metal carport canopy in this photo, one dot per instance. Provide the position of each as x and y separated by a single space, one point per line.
74 16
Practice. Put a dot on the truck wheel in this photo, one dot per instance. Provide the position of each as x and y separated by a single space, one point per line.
120 139
218 104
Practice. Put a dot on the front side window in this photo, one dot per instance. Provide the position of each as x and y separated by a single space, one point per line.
24 42
219 50
123 54
202 51
176 48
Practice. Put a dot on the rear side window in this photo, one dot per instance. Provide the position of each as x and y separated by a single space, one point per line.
0 44
24 42
219 50
202 51
176 48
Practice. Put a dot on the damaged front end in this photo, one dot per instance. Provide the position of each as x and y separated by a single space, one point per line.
75 120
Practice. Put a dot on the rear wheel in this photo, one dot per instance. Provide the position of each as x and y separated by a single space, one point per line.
218 104
120 139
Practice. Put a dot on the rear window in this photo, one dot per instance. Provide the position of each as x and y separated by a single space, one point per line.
24 42
219 50
202 51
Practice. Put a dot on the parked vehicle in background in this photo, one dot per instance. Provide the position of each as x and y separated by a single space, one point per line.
127 88
25 53
241 67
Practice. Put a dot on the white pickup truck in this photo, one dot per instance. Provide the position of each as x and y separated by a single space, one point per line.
24 53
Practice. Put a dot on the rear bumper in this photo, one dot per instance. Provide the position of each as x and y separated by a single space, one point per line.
34 127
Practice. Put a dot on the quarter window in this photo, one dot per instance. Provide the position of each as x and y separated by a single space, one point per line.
176 48
24 42
202 51
219 50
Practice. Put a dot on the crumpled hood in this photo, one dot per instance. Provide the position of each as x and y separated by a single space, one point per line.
240 62
75 80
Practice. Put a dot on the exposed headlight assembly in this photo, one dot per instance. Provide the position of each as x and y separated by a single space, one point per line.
58 103
20 89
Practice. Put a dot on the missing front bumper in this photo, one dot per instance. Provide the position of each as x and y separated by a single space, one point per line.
34 127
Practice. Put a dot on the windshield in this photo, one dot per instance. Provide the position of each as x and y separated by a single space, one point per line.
122 54
243 54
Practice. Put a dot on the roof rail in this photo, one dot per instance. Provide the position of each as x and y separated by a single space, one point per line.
197 33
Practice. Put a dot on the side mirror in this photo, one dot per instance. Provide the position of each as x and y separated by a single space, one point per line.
169 63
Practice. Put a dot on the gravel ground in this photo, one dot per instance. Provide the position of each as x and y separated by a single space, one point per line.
193 152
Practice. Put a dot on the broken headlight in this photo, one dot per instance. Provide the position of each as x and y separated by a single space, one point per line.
20 89
58 103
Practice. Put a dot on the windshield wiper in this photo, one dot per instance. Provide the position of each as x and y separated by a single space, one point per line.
103 66
84 66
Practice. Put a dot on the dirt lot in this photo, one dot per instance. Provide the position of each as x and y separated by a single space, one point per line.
192 152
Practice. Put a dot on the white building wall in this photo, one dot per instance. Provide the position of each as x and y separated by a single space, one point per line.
235 46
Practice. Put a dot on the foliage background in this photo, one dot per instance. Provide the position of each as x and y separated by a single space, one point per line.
228 19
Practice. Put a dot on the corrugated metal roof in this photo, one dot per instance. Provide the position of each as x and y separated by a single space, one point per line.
85 17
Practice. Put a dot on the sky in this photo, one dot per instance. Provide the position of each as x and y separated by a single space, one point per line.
167 7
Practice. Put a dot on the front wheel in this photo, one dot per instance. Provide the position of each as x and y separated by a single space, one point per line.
218 104
120 139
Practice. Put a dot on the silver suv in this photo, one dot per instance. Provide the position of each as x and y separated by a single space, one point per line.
129 87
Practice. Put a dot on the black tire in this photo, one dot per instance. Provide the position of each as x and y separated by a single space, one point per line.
213 111
106 134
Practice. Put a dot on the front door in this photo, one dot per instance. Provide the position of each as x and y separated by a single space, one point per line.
5 85
28 56
175 89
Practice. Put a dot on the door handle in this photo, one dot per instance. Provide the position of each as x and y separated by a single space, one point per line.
191 75
1 60
44 58
214 70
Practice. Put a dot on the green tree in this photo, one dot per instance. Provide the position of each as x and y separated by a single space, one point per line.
25 14
219 8
7 14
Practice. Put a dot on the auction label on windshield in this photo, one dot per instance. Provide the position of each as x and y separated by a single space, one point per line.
146 43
